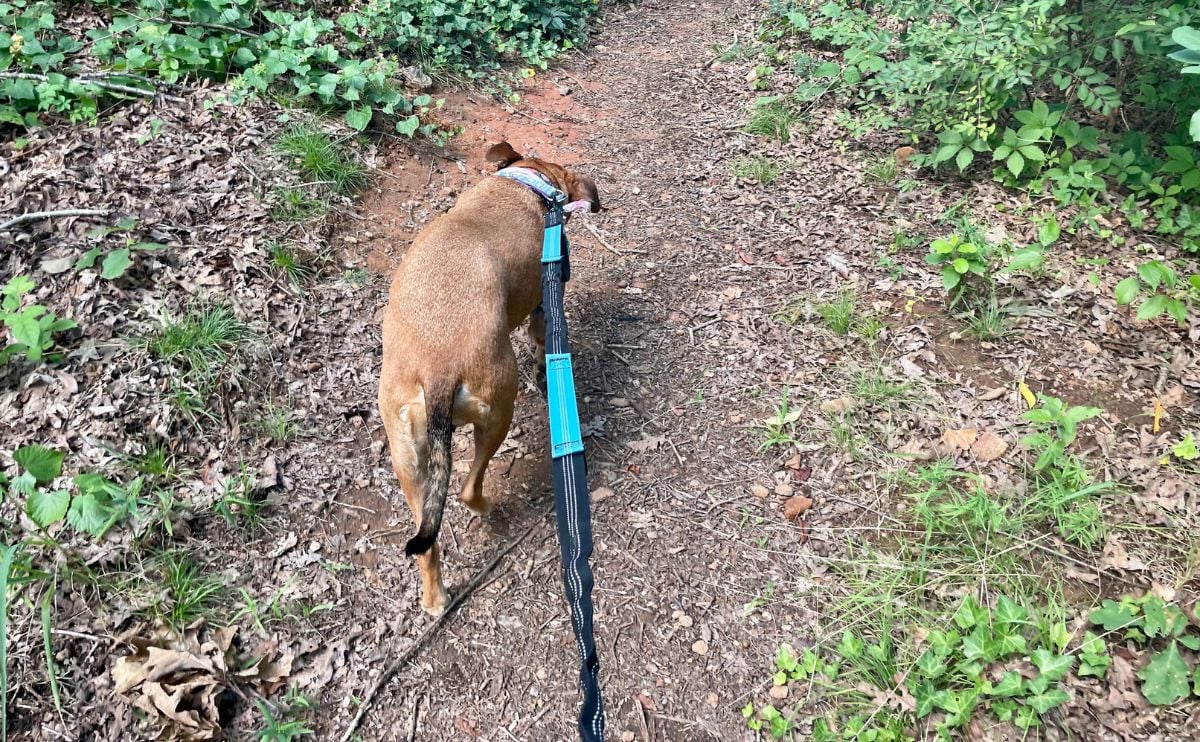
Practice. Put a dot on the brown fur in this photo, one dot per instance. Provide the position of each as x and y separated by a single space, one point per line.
468 280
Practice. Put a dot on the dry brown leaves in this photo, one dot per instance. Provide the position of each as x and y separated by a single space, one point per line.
182 683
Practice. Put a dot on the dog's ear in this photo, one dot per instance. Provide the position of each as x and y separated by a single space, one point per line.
502 154
583 188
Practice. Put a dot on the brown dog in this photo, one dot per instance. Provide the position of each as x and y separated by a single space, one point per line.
470 278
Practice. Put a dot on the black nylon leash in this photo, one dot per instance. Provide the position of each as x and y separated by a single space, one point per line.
569 469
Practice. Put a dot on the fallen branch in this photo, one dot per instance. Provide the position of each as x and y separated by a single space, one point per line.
98 80
412 650
33 216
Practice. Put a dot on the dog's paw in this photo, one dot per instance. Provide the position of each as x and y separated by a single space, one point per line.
435 605
479 506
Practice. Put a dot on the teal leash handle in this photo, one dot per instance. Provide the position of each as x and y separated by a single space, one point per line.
569 469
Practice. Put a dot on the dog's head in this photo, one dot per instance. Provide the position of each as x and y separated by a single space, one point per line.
578 187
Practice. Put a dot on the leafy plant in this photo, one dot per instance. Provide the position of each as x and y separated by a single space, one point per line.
779 429
956 260
1166 676
31 328
1163 290
1057 427
116 260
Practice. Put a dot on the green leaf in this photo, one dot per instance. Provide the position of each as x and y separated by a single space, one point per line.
1178 310
6 560
1187 37
1043 702
359 118
950 278
1127 290
1114 616
1194 126
963 159
43 463
851 647
1165 677
47 508
1024 259
1049 231
115 264
88 259
1050 664
1015 164
1009 685
1152 307
1186 448
89 514
1190 641
1009 613
408 126
961 265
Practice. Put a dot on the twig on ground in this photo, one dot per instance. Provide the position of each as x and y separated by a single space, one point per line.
412 727
99 80
408 654
603 243
33 216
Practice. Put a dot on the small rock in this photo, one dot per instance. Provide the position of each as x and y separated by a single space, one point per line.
700 647
989 447
1090 347
759 491
563 90
784 490
713 700
600 494
685 620
619 402
779 692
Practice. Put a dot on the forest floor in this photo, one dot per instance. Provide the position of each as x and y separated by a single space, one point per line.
775 395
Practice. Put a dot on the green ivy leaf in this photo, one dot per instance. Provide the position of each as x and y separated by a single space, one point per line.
1010 685
115 264
359 118
1050 664
47 508
1165 678
408 126
1114 616
43 463
1043 702
1127 290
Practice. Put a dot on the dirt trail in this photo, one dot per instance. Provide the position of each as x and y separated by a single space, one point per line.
646 313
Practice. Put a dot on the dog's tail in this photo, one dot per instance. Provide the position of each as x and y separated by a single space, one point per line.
439 413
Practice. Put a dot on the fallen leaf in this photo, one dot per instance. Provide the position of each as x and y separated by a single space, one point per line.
649 443
962 438
760 491
796 506
700 647
917 449
1090 348
1173 397
989 447
600 494
839 406
1027 394
1116 557
1158 413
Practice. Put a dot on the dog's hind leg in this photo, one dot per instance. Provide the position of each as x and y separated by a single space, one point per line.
491 428
404 441
537 337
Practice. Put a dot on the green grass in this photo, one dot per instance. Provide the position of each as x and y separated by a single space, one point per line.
295 205
875 388
6 562
240 505
757 168
202 338
184 591
987 321
156 461
838 313
275 422
883 169
773 119
314 154
779 430
293 263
